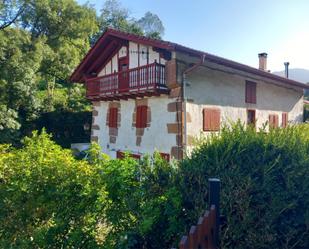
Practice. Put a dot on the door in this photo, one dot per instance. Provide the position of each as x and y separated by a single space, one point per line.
123 67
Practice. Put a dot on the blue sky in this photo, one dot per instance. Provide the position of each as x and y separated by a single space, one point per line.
234 29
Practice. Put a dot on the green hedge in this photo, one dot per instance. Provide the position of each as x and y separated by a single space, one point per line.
265 186
48 199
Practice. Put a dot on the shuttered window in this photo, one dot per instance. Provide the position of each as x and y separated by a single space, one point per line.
273 121
113 117
121 155
251 117
211 119
250 92
284 119
165 156
141 116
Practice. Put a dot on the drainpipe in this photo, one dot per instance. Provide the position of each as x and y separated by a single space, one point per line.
184 98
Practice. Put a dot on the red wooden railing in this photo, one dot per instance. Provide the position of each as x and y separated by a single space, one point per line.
148 77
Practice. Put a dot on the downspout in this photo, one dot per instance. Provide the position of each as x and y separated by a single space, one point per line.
184 98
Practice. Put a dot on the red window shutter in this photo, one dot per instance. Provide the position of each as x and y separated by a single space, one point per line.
284 119
165 156
141 116
250 92
211 119
273 121
113 117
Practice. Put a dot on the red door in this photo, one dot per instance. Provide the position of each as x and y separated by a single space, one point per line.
123 67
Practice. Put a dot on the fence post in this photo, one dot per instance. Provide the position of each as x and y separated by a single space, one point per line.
214 199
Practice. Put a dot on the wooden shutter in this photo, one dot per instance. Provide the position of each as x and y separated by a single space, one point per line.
141 116
211 119
273 121
250 92
284 119
165 156
113 117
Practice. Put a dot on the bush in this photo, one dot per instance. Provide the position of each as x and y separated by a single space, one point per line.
47 198
265 185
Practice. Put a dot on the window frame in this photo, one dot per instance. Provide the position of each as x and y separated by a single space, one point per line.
211 122
250 92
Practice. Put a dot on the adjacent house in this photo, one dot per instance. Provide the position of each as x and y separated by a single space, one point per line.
150 94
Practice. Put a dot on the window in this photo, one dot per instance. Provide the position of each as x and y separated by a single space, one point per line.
113 117
250 92
284 119
165 156
121 155
251 117
141 116
211 119
273 121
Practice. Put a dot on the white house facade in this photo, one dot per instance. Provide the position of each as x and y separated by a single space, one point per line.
152 95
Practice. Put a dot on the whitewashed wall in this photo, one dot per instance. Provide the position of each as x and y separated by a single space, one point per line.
138 56
209 88
156 137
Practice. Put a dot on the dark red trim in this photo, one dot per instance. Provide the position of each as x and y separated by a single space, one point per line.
114 34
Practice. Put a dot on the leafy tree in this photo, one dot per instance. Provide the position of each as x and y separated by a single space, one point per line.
151 25
10 11
20 60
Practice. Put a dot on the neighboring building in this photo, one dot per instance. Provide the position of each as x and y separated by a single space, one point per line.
141 89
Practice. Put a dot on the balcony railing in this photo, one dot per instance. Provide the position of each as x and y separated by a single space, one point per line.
146 79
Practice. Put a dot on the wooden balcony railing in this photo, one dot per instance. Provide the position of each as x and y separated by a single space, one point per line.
146 79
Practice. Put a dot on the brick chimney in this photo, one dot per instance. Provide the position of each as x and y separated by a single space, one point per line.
263 61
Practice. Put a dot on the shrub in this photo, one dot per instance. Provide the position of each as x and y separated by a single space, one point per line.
47 198
265 185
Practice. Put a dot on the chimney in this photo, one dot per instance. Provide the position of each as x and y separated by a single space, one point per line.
286 71
263 61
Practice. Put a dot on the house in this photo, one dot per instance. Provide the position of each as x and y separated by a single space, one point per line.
150 94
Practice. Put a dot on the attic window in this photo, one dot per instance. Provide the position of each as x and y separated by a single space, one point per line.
250 92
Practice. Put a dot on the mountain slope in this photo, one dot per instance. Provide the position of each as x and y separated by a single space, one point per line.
297 74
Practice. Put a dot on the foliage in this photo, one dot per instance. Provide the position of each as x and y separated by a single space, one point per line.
47 198
151 25
265 185
306 113
41 42
113 15
142 204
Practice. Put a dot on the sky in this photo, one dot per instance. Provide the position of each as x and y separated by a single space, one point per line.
234 29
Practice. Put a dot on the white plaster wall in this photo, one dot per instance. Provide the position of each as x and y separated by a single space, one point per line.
153 56
209 88
133 55
133 58
155 137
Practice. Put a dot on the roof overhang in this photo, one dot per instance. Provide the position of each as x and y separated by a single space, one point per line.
111 40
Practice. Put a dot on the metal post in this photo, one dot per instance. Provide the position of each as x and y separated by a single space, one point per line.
214 199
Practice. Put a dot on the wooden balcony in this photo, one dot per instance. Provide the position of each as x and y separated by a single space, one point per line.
148 80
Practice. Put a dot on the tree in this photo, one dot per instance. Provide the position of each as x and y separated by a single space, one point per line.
151 25
10 11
